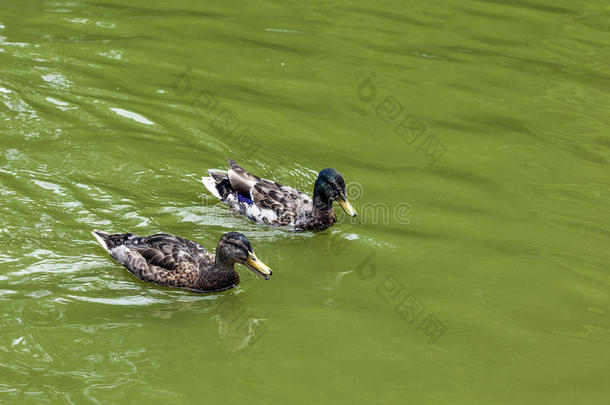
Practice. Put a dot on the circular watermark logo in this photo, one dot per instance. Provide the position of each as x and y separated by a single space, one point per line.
354 190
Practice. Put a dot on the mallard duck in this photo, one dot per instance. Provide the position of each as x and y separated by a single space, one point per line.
173 261
268 202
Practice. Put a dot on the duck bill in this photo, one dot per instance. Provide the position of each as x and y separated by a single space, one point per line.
347 207
259 268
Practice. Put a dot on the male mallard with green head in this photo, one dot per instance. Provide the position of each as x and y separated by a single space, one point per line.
173 261
268 202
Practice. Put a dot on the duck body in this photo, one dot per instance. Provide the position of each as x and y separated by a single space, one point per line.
172 261
268 202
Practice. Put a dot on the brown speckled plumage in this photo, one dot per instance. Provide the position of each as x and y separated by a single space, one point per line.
268 202
173 261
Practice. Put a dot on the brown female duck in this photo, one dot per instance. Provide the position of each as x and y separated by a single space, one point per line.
173 261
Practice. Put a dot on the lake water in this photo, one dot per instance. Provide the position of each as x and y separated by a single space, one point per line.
474 138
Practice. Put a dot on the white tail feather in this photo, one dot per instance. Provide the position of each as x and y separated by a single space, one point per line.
96 234
210 184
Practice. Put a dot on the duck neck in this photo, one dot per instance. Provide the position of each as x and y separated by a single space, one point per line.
321 206
221 276
223 263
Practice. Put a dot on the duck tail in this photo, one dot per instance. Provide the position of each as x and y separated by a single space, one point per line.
217 176
210 184
216 184
102 238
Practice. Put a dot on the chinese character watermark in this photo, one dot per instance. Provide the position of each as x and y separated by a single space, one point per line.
404 124
219 116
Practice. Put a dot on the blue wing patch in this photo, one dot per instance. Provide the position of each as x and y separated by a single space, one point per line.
241 198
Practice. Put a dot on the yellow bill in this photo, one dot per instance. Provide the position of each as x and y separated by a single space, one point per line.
259 268
347 207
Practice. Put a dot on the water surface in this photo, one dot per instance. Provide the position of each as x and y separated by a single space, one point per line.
474 140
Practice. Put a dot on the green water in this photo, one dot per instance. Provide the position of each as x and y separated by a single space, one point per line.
474 137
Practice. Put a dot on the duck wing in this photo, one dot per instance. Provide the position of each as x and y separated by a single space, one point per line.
243 182
281 205
280 199
234 185
163 259
264 193
261 200
170 252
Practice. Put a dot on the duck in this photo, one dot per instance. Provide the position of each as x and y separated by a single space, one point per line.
268 202
172 261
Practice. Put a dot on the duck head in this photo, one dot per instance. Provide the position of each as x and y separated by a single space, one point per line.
234 247
330 187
